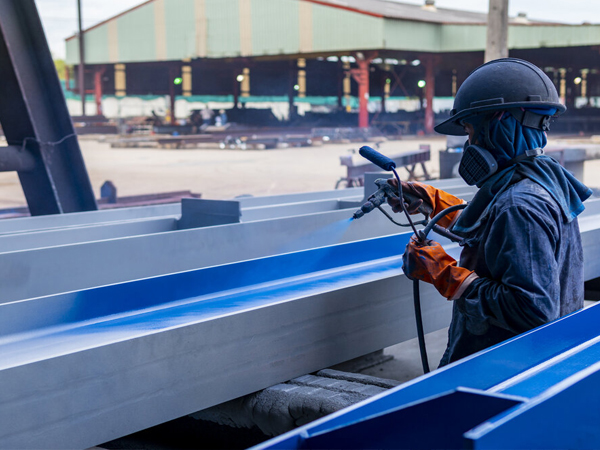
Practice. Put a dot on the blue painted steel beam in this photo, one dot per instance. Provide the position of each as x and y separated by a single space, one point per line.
85 367
551 373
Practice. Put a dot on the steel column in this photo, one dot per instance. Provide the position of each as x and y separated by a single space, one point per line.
81 57
34 115
14 158
429 62
173 72
497 30
98 74
361 76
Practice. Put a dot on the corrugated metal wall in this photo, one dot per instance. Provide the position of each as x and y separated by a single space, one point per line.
178 29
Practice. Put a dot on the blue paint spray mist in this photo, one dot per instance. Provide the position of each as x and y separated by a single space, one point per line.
328 235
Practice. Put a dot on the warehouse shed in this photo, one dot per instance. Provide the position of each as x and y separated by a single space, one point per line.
339 53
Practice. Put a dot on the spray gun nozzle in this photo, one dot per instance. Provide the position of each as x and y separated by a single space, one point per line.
358 214
369 206
374 201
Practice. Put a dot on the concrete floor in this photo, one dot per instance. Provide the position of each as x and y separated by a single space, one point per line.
215 173
406 362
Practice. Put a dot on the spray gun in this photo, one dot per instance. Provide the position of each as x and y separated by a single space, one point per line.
385 191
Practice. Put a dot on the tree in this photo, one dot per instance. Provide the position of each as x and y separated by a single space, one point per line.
61 68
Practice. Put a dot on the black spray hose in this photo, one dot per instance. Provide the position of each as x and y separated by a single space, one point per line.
419 321
432 225
387 164
416 287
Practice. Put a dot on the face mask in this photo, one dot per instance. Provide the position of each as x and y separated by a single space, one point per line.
476 165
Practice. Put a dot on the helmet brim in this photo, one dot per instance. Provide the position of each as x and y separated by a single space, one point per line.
453 127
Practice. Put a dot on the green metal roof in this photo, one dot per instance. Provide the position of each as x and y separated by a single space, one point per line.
160 30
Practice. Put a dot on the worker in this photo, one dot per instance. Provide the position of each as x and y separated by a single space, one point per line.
522 260
207 116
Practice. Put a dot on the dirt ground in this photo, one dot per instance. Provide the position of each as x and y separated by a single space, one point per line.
222 174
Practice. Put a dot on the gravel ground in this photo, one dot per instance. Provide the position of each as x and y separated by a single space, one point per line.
223 174
216 174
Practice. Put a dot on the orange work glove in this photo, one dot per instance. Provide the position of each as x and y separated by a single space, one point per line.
431 264
436 198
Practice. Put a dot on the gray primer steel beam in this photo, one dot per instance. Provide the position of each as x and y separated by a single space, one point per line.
90 233
25 224
82 368
35 272
49 231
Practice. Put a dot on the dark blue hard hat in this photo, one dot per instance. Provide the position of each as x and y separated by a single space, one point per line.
504 84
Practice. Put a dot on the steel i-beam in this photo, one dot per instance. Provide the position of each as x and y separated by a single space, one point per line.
86 367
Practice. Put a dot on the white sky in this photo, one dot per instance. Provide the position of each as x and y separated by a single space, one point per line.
60 16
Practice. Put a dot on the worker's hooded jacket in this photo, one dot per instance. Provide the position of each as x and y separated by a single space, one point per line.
522 240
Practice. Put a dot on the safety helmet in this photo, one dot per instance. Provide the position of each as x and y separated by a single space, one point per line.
507 84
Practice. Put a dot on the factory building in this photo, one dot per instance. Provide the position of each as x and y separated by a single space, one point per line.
310 57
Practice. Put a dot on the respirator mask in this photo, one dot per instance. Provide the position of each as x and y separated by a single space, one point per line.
478 164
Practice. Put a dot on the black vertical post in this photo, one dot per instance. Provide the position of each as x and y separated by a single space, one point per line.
34 116
81 59
293 79
341 74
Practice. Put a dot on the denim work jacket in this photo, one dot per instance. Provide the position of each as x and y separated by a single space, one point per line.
530 266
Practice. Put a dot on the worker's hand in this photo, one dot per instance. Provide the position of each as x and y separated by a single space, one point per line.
411 202
429 262
415 194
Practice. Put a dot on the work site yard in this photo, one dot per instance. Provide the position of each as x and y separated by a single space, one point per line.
225 173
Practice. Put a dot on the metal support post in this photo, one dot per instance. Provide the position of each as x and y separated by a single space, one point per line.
245 84
386 88
236 87
120 80
584 87
454 83
497 30
340 85
361 76
293 76
81 58
34 115
347 86
429 61
173 72
301 77
16 159
186 77
98 74
562 89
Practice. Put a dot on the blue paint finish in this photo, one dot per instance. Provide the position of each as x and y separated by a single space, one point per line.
445 428
537 366
565 416
553 373
99 316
